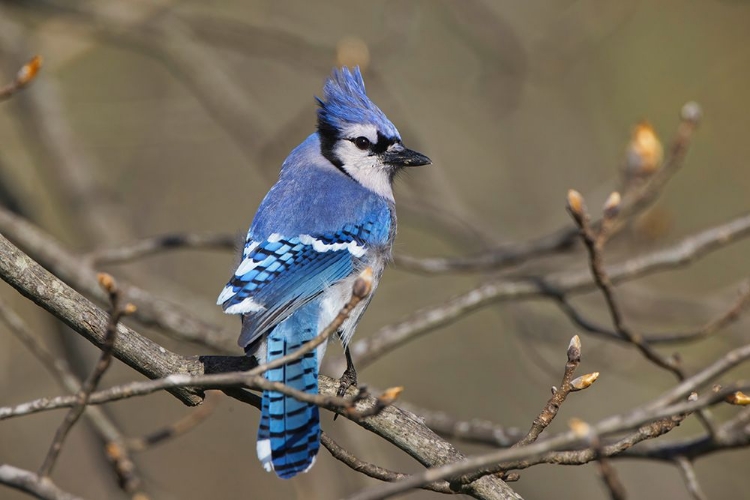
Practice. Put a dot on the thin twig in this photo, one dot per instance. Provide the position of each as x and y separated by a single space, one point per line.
490 463
24 77
151 310
373 470
471 431
154 361
28 482
544 419
610 479
715 325
688 250
213 381
691 480
594 244
122 463
150 246
606 471
52 294
89 385
361 288
634 201
618 423
645 432
175 429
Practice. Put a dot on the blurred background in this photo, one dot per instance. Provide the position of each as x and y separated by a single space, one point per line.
175 116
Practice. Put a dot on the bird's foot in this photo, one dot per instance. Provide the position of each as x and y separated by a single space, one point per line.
347 380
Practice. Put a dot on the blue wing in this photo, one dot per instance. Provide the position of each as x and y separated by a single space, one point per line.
280 274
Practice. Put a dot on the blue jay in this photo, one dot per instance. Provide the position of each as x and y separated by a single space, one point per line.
330 215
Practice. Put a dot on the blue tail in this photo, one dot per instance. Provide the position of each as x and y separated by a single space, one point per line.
289 432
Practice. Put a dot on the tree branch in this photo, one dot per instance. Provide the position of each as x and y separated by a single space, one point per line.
374 471
30 483
688 250
150 246
89 385
117 453
635 201
151 310
691 480
559 395
138 352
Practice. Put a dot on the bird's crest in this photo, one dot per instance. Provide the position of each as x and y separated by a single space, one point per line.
345 102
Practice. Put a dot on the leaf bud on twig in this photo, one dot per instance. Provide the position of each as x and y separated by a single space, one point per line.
691 112
363 286
738 398
390 395
575 204
612 205
29 71
574 350
584 381
106 281
645 151
580 428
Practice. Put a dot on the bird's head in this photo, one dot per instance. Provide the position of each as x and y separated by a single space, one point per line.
357 137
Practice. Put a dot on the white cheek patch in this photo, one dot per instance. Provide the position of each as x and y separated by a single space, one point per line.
367 170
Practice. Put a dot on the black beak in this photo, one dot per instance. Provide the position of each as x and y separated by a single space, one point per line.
399 156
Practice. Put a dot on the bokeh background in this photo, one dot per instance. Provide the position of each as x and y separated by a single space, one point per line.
177 115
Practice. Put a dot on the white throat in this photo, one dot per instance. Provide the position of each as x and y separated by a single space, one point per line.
364 167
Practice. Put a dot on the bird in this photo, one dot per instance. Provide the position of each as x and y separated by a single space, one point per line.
330 215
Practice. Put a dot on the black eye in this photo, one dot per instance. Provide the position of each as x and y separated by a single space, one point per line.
362 142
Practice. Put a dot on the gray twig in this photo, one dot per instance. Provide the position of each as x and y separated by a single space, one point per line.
150 246
373 470
89 385
594 244
715 325
691 480
559 395
471 431
177 428
117 453
28 482
686 251
635 201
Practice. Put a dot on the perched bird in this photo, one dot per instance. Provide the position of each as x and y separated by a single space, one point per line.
330 216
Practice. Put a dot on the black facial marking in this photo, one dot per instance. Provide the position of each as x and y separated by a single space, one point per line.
328 138
383 143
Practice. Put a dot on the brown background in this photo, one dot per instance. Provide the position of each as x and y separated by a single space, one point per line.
515 102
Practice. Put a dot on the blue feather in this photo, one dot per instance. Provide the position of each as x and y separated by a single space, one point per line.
289 429
281 274
345 102
330 215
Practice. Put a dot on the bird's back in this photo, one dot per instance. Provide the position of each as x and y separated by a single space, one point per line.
318 199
